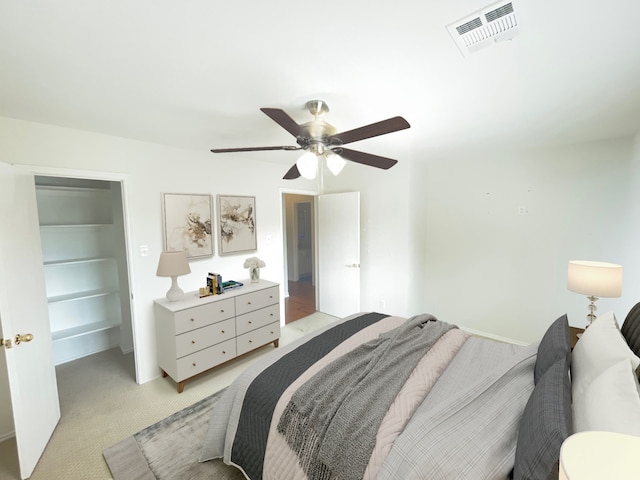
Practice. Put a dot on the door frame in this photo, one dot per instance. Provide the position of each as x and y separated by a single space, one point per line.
109 177
283 225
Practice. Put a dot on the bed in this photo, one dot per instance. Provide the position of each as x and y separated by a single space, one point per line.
374 396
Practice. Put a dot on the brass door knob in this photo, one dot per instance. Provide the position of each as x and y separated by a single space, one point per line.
27 337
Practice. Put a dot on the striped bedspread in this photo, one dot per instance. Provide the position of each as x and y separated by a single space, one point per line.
454 414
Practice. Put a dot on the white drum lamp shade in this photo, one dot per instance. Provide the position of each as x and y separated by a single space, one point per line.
172 264
600 455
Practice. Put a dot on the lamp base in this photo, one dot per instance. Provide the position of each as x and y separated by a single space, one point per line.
591 316
175 293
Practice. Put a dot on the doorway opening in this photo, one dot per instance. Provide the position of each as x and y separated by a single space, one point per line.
300 256
83 240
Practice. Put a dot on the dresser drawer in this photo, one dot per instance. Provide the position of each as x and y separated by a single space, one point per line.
256 319
205 359
256 300
257 338
204 337
204 315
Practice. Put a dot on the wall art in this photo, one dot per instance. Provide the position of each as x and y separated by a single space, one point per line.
188 220
236 224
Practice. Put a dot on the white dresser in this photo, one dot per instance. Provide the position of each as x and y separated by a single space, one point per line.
196 334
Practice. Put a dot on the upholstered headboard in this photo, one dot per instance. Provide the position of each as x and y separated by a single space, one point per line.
631 329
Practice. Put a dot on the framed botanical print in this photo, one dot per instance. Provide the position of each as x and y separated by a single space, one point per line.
188 219
236 224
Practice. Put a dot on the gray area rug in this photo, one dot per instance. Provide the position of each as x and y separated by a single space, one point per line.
169 449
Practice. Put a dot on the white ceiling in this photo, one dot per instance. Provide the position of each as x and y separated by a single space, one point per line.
193 73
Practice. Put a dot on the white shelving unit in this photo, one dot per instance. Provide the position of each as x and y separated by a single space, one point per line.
80 252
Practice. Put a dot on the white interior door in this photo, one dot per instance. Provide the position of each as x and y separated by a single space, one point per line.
23 310
339 253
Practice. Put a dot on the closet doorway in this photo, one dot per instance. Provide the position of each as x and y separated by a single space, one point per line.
82 232
300 256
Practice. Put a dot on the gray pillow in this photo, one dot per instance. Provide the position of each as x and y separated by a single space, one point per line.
545 424
555 345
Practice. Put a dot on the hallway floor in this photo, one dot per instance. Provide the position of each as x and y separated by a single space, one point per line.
301 300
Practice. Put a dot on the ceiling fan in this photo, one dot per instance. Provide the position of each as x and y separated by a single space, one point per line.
319 140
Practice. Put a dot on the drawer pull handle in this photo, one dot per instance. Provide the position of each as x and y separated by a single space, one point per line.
221 311
270 296
271 314
271 333
250 341
249 322
193 342
223 352
222 331
191 319
194 364
248 303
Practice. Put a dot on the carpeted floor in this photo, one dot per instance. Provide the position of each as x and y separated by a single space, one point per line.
101 404
169 449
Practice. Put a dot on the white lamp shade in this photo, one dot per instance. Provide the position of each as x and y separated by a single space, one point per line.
599 279
600 455
335 163
307 165
172 264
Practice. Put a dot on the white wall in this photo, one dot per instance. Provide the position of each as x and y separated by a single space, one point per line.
149 170
490 269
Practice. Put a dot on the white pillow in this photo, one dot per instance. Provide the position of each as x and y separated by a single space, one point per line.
600 347
610 403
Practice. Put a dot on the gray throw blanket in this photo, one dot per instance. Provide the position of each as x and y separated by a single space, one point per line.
332 420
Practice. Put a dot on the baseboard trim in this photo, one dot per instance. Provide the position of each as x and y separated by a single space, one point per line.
493 337
7 436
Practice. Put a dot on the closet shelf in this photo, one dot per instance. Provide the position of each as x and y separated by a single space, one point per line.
84 329
83 295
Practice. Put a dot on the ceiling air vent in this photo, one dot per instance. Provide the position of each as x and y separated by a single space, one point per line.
491 24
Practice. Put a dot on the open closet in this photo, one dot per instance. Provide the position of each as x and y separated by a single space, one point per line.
85 264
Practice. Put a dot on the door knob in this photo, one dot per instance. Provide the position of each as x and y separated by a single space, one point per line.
7 343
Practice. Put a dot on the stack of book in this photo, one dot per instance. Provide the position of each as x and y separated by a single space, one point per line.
214 283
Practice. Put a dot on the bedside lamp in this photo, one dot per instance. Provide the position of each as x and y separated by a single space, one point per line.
172 264
594 279
597 455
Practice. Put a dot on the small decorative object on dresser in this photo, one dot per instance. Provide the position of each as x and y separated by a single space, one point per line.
254 264
196 334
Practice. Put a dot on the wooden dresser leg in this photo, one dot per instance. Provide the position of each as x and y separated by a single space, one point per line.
276 342
164 374
180 387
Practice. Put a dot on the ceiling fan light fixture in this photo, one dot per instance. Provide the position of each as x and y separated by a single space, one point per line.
307 165
335 163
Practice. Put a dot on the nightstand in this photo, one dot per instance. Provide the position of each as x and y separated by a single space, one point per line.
574 334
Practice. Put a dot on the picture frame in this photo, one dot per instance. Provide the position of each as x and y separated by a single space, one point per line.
236 224
187 223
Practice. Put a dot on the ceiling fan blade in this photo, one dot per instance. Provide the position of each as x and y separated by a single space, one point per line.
283 119
366 158
373 130
254 149
292 173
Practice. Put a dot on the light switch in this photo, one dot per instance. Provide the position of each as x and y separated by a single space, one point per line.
144 250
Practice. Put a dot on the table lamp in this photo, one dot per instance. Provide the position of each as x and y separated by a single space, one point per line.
594 279
597 455
172 264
